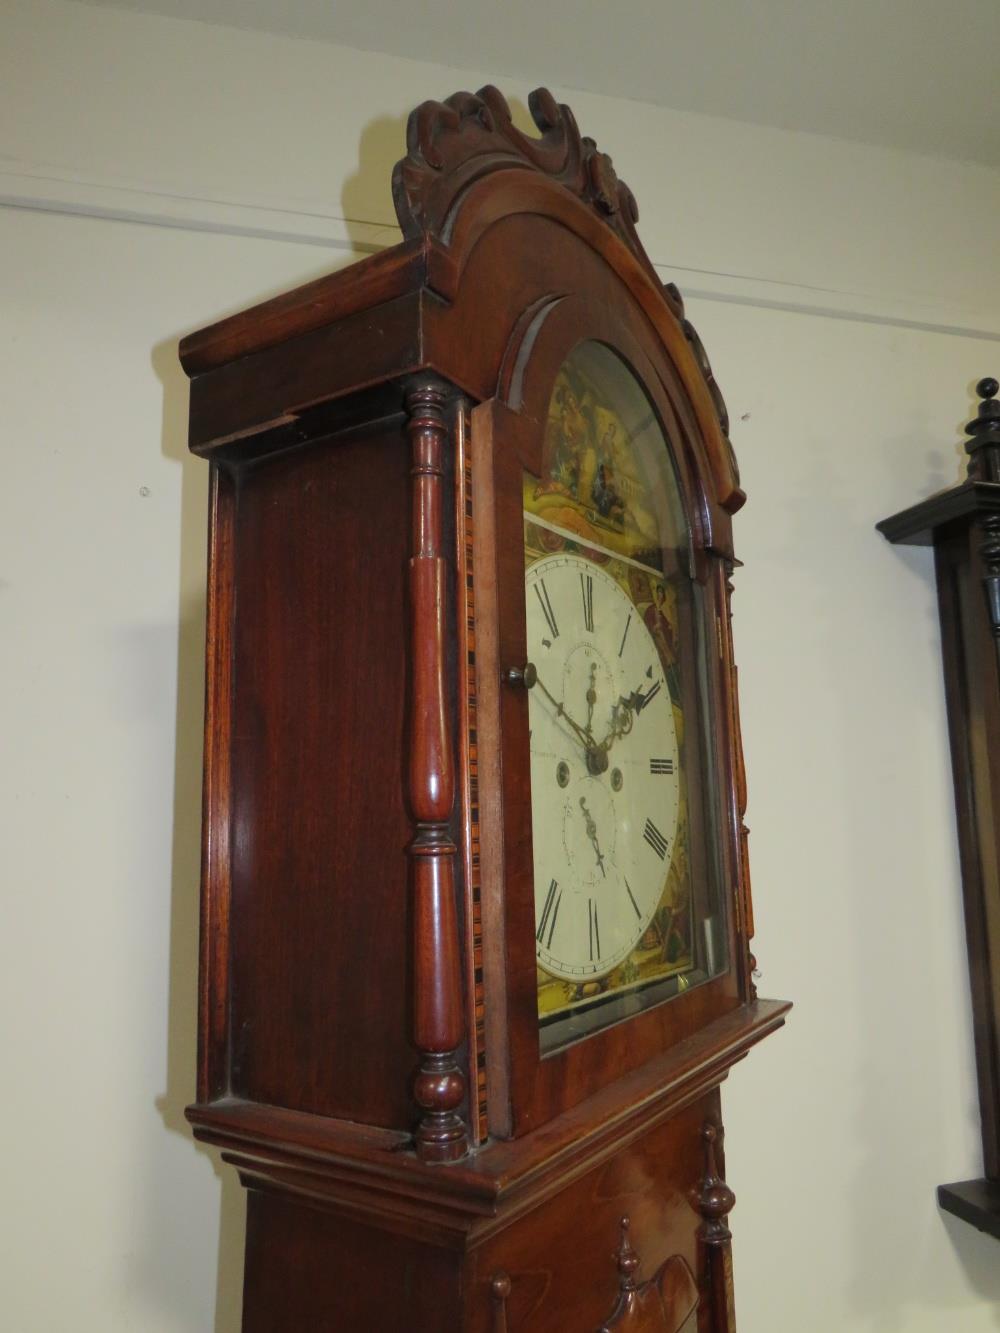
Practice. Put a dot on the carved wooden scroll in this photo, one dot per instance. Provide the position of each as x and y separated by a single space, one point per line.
740 782
439 1089
667 1303
676 301
455 143
715 1203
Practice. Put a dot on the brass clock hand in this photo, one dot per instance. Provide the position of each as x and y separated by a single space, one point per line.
591 700
592 834
596 758
584 736
630 708
621 722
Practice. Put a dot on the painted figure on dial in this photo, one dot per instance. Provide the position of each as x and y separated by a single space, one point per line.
605 582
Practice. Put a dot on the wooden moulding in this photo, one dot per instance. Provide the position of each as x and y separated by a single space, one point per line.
467 167
367 1173
974 1201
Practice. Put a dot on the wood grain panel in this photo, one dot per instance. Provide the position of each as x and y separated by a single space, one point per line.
312 1272
319 868
561 1260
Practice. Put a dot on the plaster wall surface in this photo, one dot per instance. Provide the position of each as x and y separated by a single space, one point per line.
159 173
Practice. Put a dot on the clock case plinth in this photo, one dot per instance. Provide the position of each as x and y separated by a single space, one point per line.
963 526
368 1052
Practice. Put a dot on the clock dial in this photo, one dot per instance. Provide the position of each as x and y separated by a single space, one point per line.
627 900
604 768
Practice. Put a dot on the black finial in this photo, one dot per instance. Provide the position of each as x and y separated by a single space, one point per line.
987 417
984 428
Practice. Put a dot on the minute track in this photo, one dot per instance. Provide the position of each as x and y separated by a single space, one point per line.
589 828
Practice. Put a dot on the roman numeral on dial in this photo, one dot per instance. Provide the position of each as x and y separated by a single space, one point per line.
542 593
547 924
595 931
587 592
628 625
648 697
661 765
655 839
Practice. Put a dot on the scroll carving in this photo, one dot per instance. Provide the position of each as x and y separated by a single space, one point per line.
740 786
676 302
667 1303
455 143
715 1203
439 1089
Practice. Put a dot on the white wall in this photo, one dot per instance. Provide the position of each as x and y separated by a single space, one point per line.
841 293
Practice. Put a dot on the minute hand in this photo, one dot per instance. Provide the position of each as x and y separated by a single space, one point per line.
583 733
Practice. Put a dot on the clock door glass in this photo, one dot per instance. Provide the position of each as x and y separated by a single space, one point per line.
626 867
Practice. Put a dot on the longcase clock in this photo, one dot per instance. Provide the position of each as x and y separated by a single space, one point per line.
476 913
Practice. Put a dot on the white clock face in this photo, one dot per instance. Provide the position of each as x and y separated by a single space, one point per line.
604 768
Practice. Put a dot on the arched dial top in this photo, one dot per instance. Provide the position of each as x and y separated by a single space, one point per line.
454 146
626 904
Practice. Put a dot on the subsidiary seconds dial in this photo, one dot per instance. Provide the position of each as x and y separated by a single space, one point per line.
605 768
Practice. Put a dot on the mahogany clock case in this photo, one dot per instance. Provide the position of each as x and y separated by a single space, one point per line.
367 896
510 444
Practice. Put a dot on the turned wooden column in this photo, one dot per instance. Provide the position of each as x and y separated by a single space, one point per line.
439 1089
715 1203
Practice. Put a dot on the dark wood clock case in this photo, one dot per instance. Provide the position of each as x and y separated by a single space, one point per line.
963 525
369 1054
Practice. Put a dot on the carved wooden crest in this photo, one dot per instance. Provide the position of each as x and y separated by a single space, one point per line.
453 144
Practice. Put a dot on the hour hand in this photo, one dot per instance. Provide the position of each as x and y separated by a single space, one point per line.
591 826
530 673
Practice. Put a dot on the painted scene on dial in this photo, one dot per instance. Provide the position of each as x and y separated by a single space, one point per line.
602 475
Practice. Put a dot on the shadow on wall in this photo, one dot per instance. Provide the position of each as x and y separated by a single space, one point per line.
978 1255
366 200
182 1031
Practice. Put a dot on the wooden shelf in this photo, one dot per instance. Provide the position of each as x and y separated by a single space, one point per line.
974 1201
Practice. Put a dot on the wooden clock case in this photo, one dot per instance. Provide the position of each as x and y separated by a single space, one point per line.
369 1054
963 525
